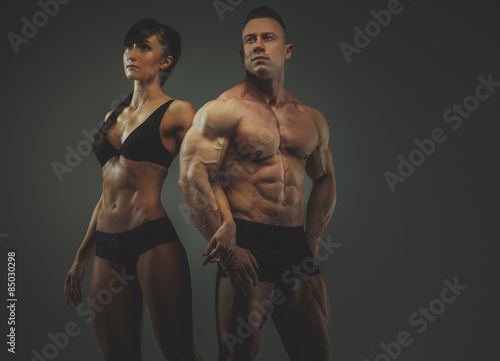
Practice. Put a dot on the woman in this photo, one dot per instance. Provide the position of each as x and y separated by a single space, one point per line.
138 254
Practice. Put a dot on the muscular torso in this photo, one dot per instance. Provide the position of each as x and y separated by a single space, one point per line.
131 189
263 171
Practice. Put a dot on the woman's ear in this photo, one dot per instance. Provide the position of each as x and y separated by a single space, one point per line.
167 62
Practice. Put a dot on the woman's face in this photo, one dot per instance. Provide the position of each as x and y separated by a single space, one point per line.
143 61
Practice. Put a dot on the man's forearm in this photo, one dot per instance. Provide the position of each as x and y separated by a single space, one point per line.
201 203
206 203
320 207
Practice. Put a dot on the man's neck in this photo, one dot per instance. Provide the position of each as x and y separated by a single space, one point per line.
269 91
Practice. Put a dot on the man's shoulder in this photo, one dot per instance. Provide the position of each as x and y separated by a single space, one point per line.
223 110
228 106
314 114
221 115
232 99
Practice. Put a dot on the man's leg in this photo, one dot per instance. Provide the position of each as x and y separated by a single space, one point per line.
303 319
239 319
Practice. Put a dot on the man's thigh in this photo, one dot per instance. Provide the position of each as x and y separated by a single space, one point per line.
240 318
302 318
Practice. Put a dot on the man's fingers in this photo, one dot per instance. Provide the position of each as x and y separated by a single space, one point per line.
241 285
231 276
253 260
248 285
253 276
244 282
229 258
234 282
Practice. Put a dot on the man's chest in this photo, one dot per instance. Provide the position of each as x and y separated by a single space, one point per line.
263 133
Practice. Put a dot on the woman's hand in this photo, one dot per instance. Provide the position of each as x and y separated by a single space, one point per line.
73 283
222 245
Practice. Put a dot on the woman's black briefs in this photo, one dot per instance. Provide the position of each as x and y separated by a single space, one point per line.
124 248
282 253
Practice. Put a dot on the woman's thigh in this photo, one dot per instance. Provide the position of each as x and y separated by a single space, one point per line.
116 301
164 276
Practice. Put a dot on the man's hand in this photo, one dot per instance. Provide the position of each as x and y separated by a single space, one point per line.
221 246
241 271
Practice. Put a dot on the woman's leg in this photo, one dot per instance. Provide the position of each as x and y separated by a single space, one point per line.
116 300
163 274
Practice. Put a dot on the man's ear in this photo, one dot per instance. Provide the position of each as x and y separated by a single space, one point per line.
241 55
288 51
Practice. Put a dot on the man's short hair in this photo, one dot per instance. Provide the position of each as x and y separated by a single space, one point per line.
266 12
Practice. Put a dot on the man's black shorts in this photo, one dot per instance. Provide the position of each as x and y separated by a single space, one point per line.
282 253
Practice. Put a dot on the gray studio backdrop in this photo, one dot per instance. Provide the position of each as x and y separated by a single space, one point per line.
412 100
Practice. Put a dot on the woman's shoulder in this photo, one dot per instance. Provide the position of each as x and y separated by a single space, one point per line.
181 106
181 112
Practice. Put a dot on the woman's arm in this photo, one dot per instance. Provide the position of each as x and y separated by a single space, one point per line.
87 248
74 278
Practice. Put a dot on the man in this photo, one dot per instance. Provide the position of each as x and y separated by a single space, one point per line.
242 168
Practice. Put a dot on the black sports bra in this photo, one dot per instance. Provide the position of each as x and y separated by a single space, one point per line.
143 144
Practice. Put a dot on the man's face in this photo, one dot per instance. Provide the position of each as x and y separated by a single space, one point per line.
263 47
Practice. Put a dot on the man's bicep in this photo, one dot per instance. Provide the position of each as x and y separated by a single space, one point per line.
319 162
200 152
208 139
